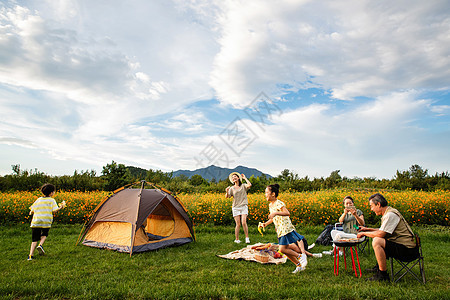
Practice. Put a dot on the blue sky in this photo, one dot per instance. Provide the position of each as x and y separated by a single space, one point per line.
312 86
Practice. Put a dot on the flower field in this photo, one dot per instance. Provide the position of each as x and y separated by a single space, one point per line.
322 207
306 208
14 207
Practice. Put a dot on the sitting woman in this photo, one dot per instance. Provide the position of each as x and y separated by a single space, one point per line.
351 219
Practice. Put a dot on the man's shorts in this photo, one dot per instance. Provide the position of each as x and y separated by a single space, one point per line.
401 251
37 232
237 211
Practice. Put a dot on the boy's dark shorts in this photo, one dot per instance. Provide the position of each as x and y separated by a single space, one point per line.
401 252
37 232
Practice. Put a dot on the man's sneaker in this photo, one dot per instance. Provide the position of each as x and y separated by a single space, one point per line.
379 276
303 260
373 269
40 250
30 257
237 241
317 255
247 240
298 269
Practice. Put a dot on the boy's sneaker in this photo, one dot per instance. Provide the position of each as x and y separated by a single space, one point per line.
30 257
40 250
298 269
237 241
317 255
247 240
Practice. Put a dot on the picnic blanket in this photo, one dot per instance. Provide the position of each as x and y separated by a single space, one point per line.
248 254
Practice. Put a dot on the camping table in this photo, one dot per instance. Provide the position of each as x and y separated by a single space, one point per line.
353 247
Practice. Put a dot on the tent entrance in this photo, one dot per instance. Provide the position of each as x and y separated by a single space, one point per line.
160 224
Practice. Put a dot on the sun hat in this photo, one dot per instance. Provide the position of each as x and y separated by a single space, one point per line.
234 173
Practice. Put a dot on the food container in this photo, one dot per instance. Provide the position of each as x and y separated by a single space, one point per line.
262 257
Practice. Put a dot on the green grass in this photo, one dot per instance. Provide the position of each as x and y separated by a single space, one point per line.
193 271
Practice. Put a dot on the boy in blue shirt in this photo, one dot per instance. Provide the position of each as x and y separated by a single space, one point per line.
42 211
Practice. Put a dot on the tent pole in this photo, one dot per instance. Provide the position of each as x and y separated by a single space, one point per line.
132 238
133 226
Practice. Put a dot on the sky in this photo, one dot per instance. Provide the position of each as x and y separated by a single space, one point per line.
311 86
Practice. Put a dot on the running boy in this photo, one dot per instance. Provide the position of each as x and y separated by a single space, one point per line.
42 210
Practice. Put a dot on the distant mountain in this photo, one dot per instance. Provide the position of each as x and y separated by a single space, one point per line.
219 173
207 173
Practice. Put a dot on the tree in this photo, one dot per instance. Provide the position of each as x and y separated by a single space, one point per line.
288 176
333 180
137 173
441 181
414 178
16 169
418 172
158 176
401 180
302 184
180 178
115 176
418 176
259 183
196 180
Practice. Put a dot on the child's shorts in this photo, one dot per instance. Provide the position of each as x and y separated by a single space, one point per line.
37 232
291 238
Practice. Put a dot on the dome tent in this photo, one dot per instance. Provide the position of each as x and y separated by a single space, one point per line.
137 220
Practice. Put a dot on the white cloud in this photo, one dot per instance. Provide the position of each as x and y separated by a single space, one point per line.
364 140
88 67
440 110
353 48
18 142
91 82
107 87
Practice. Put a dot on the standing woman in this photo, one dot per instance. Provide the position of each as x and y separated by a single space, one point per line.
240 203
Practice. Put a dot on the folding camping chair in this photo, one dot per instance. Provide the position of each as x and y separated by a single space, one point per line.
406 267
364 246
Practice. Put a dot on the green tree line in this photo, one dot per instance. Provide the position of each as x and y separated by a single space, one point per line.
115 175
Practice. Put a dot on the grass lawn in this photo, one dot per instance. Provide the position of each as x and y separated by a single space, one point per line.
193 271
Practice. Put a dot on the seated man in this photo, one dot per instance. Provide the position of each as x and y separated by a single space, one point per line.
394 238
